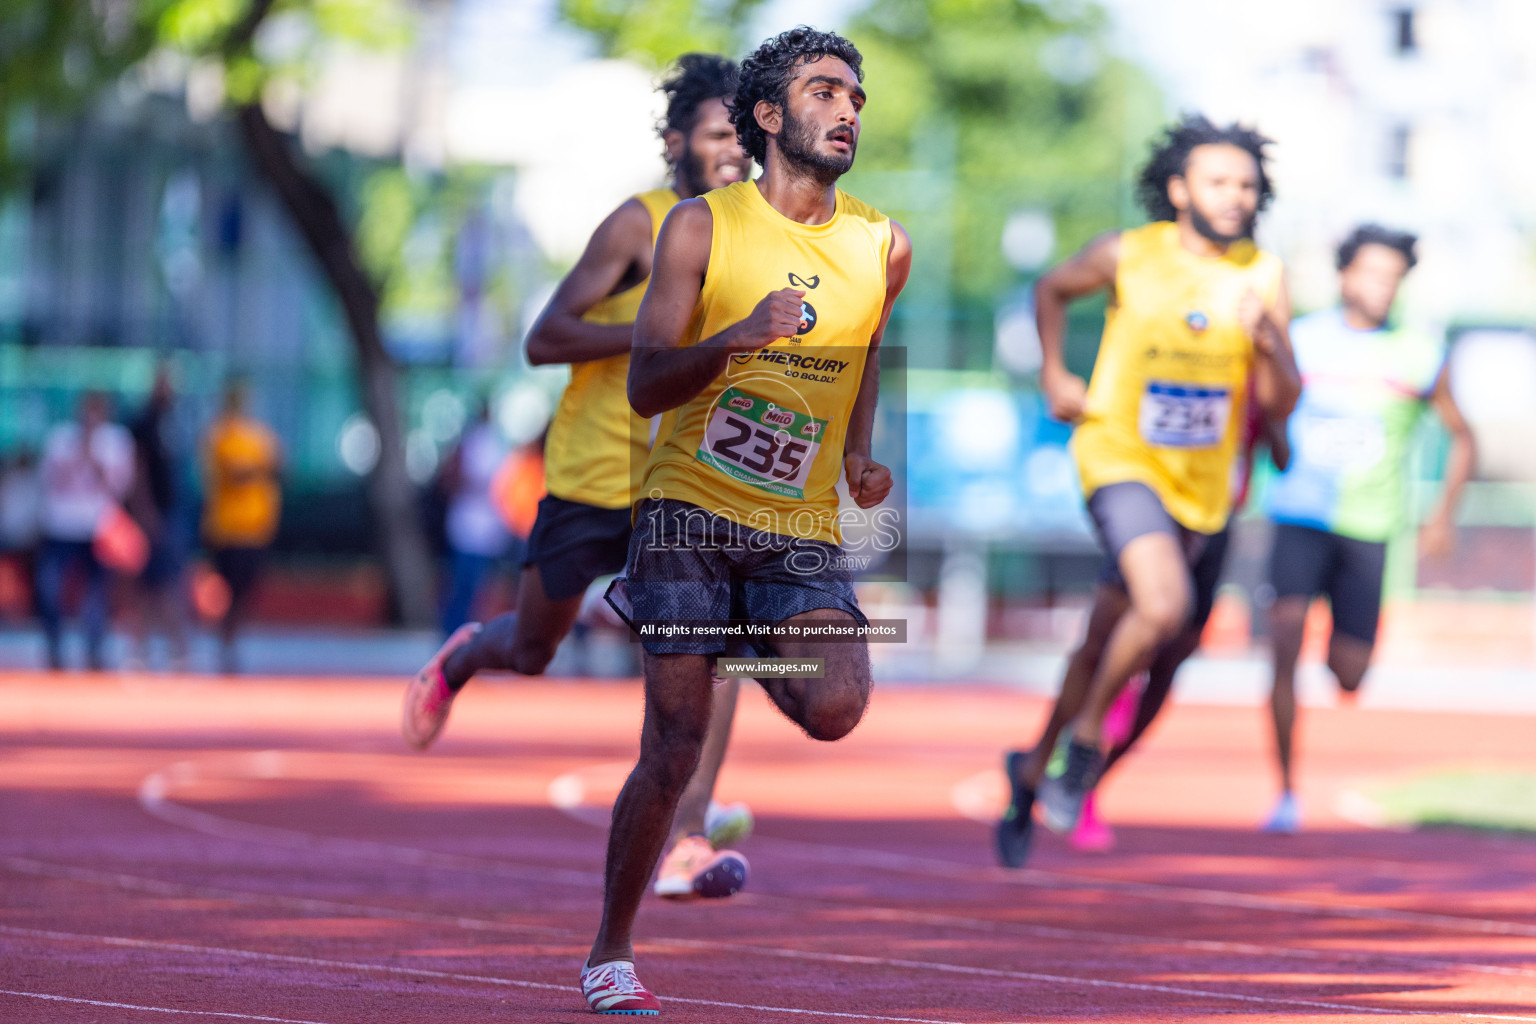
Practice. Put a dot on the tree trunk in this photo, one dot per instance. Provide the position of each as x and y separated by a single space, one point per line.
392 496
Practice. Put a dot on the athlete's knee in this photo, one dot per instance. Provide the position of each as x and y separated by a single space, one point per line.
531 656
1166 610
1348 659
670 753
832 712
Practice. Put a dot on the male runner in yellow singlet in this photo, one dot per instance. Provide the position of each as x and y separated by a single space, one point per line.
1196 309
595 450
757 340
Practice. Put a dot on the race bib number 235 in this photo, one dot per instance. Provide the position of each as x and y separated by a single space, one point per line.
751 439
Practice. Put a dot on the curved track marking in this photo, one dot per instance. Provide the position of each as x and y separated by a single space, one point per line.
135 883
149 1009
419 972
156 788
1036 878
568 793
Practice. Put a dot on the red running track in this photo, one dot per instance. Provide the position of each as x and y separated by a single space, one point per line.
268 850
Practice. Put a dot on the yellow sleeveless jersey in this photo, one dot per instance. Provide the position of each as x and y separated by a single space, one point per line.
1166 401
597 445
763 443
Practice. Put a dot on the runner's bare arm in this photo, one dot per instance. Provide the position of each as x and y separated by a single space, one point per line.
1272 431
1276 380
662 373
1091 269
1439 533
618 256
868 481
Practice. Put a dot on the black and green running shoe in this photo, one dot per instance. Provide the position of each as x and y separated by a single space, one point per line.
1013 832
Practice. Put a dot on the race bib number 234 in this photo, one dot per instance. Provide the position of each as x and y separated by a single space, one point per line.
1184 415
751 439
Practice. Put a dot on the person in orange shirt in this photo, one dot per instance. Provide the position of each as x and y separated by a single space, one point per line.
242 462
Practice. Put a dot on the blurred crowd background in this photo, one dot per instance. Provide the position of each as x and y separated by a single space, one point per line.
342 215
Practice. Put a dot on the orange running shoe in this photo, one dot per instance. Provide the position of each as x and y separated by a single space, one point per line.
693 869
427 698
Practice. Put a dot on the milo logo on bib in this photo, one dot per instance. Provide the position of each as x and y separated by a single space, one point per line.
760 443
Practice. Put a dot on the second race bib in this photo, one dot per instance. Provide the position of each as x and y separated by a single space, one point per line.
1342 442
1184 415
753 440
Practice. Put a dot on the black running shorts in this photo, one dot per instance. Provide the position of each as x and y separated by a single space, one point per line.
686 563
1124 511
1307 562
573 544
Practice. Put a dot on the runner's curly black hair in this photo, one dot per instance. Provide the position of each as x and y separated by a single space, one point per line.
693 80
1170 156
766 74
1375 234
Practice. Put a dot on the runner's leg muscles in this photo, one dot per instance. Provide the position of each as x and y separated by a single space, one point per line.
827 708
1348 658
1165 665
1287 625
1157 579
677 712
694 803
1109 605
523 641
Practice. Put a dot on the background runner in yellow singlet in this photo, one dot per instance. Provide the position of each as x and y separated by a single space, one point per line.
1195 310
757 339
596 448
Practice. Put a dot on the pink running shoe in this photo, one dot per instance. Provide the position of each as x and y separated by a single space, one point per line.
693 868
612 988
427 698
1091 834
1122 713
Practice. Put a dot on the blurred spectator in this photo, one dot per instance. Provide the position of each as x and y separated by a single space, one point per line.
87 469
20 496
476 535
243 461
518 487
158 504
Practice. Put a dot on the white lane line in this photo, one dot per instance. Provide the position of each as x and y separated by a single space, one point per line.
1006 927
156 887
1035 878
150 1009
1078 980
154 798
568 793
571 783
819 956
571 791
419 972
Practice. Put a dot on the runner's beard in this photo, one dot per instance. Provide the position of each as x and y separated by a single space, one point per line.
1208 230
798 144
690 172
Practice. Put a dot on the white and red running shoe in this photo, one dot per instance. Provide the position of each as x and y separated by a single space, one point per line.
427 698
612 988
693 868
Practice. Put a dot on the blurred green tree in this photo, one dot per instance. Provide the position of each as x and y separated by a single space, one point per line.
658 31
978 109
56 55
